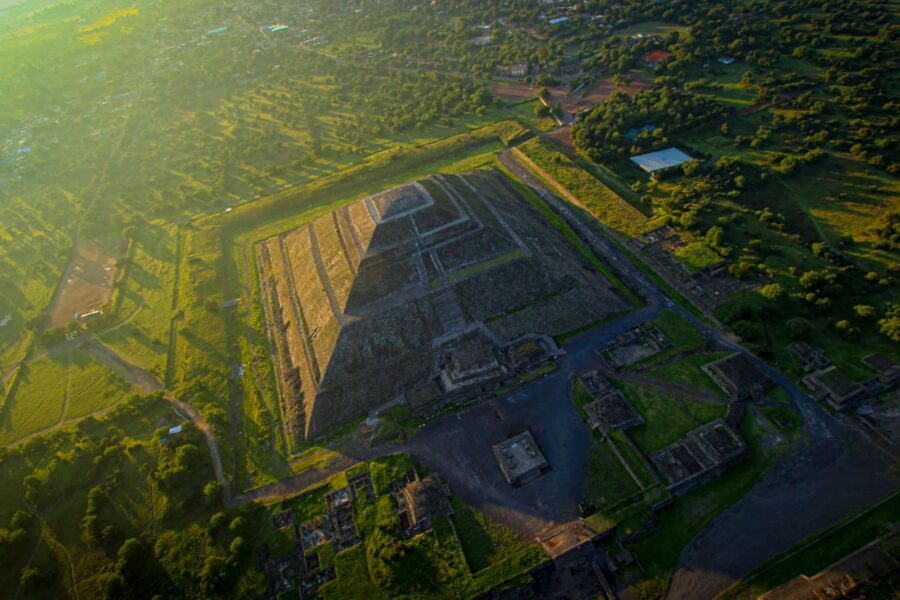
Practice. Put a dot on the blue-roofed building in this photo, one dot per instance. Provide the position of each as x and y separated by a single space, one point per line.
654 162
559 20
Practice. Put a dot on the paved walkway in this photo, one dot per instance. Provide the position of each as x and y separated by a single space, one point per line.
837 474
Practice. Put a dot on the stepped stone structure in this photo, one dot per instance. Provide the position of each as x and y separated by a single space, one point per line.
426 287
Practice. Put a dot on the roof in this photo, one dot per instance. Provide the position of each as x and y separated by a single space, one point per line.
519 455
657 56
559 20
879 363
612 411
836 381
663 159
739 371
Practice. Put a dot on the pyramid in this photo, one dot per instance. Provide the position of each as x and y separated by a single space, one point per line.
361 302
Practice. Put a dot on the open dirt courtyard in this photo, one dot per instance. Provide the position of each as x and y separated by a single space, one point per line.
88 282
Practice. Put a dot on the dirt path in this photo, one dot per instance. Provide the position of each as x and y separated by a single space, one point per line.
150 383
46 535
60 425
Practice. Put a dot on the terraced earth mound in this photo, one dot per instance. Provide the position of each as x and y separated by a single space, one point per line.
362 302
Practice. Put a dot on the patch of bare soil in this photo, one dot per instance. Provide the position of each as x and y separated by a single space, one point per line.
563 137
599 92
88 282
513 92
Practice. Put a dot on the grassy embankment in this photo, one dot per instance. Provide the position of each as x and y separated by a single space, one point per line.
608 207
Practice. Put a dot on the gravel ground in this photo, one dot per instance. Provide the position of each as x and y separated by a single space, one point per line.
797 498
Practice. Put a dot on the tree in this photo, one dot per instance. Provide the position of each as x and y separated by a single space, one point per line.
846 329
864 310
20 520
32 578
217 520
237 546
714 236
212 491
237 525
772 292
890 324
215 568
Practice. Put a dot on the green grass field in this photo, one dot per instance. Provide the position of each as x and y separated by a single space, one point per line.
146 303
681 521
632 457
93 387
687 371
697 255
654 27
608 483
667 419
844 198
484 542
57 389
682 335
38 399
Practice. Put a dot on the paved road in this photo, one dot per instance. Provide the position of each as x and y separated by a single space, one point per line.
837 474
817 420
797 498
459 446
